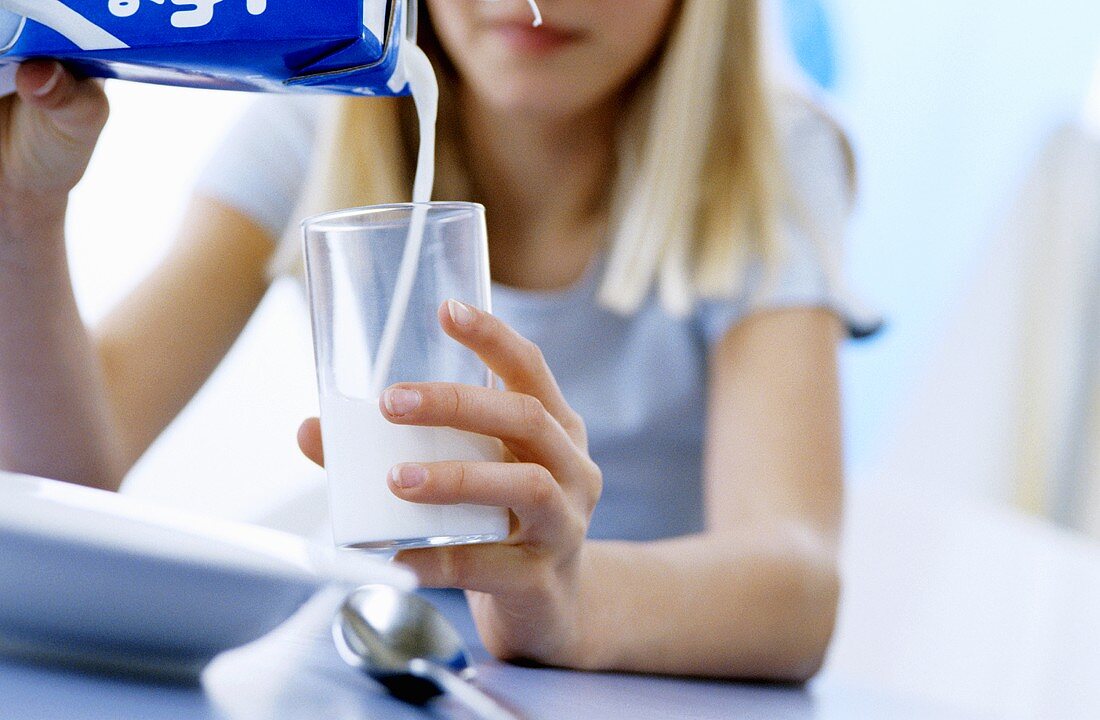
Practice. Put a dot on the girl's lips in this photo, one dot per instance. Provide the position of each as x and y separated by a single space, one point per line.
523 38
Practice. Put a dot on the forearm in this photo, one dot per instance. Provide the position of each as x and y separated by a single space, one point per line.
758 604
54 415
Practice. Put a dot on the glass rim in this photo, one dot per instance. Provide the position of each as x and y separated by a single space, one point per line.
336 216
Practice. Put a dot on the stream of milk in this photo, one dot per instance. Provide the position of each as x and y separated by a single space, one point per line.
360 445
425 92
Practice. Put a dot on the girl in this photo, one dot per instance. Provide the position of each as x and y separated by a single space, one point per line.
662 227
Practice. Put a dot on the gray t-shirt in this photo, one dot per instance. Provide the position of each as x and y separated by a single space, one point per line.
640 382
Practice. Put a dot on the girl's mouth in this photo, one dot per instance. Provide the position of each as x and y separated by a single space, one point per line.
522 37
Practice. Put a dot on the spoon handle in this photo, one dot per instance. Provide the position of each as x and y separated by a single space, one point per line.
466 693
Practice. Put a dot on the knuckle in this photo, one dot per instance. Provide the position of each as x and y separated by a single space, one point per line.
101 112
456 401
592 470
532 353
543 487
533 413
541 577
575 423
575 526
460 481
594 484
487 326
92 101
453 570
86 111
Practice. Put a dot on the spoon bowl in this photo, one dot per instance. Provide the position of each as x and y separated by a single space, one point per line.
404 643
385 631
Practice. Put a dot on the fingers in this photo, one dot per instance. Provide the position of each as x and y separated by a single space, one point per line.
513 358
527 489
50 131
520 421
36 80
309 440
78 108
496 568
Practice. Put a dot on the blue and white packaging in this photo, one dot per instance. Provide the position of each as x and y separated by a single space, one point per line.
335 46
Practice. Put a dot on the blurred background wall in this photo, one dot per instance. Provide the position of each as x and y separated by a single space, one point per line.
948 101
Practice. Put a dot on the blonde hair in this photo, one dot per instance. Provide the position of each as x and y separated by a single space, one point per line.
699 180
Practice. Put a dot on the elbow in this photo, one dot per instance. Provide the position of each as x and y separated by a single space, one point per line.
796 600
96 473
812 616
100 470
110 480
810 597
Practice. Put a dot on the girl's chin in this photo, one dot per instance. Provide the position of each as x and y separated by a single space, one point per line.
551 103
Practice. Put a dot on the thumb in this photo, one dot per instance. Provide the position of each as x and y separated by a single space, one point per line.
78 109
309 440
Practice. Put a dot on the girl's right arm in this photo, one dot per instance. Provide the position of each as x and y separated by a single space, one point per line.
82 406
54 416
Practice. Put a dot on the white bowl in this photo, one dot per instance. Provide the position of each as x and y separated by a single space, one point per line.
97 579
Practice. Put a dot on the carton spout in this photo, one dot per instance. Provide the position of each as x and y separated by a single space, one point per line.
386 72
409 23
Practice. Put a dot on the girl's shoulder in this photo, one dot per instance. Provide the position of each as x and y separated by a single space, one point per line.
800 105
820 189
294 115
259 165
814 141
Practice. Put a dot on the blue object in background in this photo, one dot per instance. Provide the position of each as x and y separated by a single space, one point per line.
811 36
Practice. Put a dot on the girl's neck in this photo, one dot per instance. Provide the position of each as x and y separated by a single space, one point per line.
539 177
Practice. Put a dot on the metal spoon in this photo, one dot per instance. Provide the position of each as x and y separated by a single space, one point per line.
403 642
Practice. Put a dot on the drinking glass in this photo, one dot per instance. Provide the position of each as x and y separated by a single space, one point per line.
376 278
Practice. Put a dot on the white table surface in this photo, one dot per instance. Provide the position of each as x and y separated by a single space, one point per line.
964 604
950 610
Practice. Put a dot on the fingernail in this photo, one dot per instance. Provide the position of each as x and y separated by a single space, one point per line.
50 84
460 313
408 476
401 402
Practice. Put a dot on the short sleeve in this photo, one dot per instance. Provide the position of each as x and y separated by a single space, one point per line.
812 226
260 166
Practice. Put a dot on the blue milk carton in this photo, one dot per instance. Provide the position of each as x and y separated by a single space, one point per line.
337 46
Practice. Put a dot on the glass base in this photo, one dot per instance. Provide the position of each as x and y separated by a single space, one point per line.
426 542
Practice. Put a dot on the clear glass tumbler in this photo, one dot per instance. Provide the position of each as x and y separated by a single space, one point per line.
376 278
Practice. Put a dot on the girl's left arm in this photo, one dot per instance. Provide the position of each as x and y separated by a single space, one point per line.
754 596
